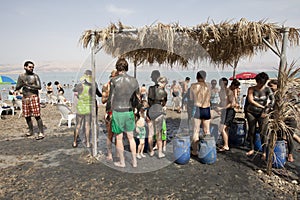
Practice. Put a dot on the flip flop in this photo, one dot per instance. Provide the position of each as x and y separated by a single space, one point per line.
223 149
28 134
74 145
249 154
40 136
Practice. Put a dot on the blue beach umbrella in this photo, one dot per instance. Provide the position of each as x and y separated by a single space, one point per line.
6 80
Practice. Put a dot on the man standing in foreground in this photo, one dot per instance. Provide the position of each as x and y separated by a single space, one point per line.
31 84
124 90
200 95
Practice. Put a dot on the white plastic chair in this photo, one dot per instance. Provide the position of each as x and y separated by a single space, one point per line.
62 100
18 104
53 99
6 108
66 114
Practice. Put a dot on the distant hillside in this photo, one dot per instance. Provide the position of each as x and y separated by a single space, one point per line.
45 66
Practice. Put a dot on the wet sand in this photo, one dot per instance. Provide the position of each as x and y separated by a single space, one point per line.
52 169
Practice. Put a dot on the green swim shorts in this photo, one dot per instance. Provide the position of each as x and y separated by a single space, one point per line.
122 122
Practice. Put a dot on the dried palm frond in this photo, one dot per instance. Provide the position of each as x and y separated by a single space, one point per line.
221 44
286 106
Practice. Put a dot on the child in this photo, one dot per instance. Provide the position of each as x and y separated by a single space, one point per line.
141 131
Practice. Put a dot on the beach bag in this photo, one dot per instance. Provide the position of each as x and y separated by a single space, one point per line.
152 95
155 111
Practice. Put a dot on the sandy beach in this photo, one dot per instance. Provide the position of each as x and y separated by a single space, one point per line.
52 169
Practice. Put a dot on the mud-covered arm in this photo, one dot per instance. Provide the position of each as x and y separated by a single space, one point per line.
37 85
109 99
271 103
20 82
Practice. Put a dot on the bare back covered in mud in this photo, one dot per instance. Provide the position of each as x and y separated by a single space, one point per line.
200 94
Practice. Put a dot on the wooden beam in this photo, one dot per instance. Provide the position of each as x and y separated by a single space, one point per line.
270 46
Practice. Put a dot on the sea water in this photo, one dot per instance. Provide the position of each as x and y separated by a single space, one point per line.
69 79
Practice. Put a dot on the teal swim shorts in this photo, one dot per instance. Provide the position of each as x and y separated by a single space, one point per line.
122 122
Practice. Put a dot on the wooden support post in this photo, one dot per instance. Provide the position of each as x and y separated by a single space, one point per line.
283 59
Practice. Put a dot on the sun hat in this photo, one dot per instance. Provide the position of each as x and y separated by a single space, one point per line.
163 80
87 76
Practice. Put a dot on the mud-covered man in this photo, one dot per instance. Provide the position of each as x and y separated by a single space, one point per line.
30 84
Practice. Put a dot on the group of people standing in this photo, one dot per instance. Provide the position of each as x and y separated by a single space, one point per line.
207 99
129 112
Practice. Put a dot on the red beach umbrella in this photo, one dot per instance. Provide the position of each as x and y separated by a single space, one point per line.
244 76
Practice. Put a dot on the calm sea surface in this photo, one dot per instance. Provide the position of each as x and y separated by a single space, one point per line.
68 79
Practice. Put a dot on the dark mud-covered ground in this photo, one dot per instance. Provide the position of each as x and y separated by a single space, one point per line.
52 169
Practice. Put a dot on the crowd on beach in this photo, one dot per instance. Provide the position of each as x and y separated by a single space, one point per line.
136 111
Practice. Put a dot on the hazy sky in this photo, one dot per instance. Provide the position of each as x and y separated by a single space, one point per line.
49 30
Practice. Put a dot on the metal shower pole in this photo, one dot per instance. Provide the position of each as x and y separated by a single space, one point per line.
94 116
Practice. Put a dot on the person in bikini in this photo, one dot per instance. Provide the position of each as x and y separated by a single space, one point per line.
155 74
143 92
175 92
200 95
260 99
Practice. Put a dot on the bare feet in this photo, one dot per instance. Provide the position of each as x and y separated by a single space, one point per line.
119 164
263 156
134 162
74 145
109 157
161 155
138 156
143 155
290 158
249 153
151 153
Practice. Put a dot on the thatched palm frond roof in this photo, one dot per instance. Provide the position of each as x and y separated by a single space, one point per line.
222 43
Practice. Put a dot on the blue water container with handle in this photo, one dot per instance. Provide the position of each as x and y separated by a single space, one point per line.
237 132
182 149
279 156
207 150
257 142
